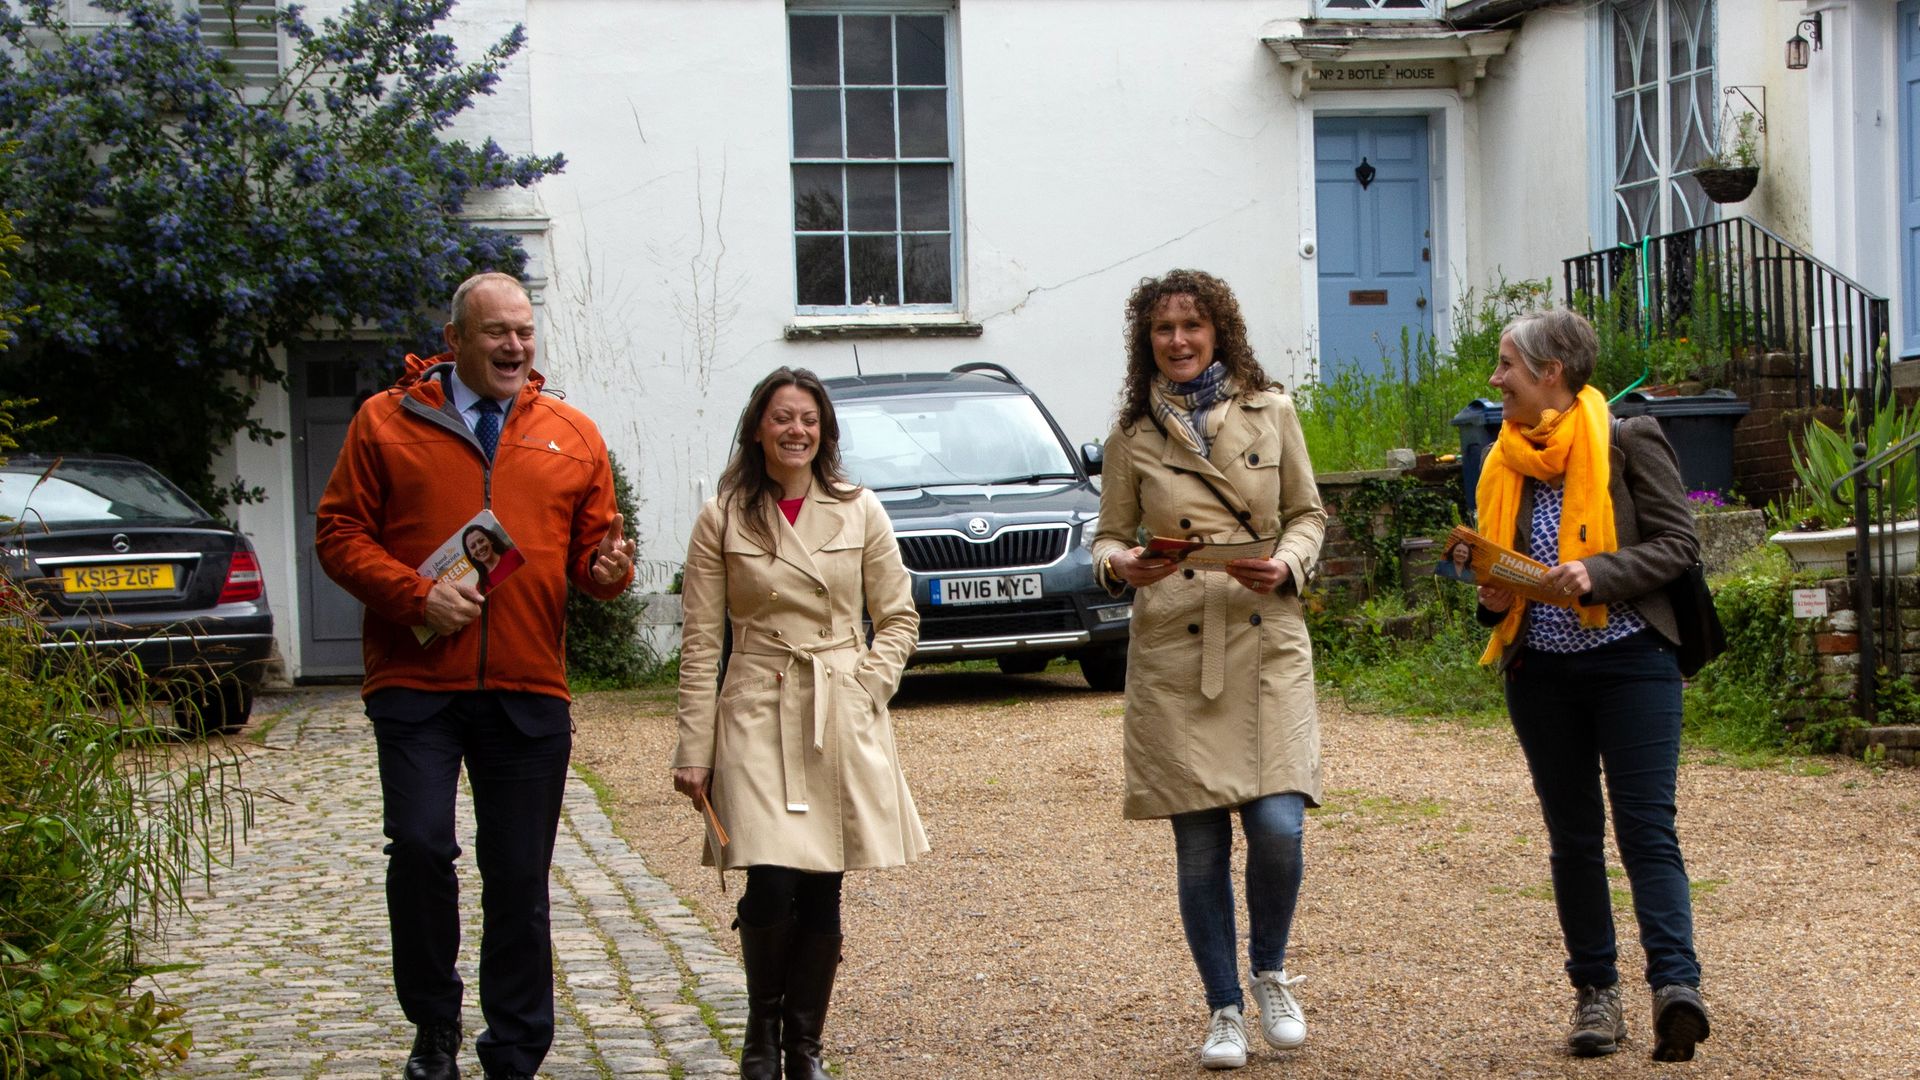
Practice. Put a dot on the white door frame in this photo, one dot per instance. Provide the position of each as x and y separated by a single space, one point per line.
1446 195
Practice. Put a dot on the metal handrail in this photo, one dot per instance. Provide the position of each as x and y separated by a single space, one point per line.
1762 293
1869 572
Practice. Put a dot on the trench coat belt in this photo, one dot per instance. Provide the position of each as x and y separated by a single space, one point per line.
793 734
1213 636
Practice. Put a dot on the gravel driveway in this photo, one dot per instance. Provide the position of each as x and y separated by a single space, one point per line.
1041 937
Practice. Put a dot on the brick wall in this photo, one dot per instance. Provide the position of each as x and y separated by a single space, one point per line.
1346 565
1833 644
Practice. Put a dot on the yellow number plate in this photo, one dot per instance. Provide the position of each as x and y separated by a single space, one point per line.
86 579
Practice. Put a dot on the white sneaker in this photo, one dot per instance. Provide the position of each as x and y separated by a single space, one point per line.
1226 1045
1281 1021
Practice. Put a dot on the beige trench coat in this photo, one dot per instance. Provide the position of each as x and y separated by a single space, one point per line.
799 739
1220 706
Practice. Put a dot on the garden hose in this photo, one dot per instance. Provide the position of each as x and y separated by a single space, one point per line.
1646 328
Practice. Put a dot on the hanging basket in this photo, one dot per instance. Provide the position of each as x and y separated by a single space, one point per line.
1728 185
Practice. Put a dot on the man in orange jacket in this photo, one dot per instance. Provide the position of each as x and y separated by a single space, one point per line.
469 430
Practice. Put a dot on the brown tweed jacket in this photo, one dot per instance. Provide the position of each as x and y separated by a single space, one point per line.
1652 521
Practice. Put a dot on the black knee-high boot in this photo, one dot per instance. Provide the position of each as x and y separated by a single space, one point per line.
810 969
766 950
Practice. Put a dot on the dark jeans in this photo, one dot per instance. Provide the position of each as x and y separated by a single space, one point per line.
1203 851
1615 708
775 894
517 783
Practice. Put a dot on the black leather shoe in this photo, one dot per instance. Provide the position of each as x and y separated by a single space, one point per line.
509 1076
1679 1021
436 1052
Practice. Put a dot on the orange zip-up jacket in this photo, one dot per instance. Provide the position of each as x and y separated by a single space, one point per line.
410 475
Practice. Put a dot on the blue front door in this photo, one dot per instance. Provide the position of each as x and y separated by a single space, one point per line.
1376 244
1909 85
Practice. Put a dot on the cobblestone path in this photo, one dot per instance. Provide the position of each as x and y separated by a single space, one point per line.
290 942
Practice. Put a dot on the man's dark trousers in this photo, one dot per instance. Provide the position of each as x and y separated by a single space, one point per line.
518 780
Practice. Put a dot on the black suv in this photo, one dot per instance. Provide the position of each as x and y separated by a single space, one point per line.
995 514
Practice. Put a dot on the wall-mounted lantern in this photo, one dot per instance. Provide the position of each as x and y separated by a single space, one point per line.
1797 45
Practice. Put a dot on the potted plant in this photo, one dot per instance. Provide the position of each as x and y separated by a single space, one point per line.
1817 526
1729 174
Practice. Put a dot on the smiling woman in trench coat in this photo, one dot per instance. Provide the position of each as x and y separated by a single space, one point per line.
796 748
1220 709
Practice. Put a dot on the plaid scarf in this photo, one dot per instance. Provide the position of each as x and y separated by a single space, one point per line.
1183 408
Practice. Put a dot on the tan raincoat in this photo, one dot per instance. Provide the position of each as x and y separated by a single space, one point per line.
799 738
1220 705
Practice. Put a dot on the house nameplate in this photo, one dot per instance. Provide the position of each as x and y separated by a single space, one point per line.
1381 75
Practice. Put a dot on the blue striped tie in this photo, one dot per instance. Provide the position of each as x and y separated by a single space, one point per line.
487 426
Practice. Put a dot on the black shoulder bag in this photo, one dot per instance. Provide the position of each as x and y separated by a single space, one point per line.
1701 636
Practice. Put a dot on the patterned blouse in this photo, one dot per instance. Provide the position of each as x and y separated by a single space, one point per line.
1551 628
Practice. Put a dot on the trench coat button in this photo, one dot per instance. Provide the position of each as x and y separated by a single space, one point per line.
824 631
1255 620
773 596
776 633
1193 628
820 591
1243 514
1188 572
1185 524
1253 459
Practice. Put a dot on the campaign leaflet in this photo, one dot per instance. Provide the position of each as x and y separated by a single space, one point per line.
478 553
1467 556
1203 555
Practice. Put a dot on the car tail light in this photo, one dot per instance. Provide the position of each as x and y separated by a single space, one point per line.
243 579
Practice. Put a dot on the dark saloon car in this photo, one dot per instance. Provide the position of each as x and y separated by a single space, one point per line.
995 514
123 562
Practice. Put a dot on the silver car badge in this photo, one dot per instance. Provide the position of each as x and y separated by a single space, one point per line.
977 526
121 544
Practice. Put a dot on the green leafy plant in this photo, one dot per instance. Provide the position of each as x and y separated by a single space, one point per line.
1739 149
1823 455
604 647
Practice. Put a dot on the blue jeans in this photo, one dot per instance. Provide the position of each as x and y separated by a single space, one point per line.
1614 709
1203 849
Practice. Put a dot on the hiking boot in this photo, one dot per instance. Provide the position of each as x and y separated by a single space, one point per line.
1679 1021
1282 1023
1226 1045
1597 1026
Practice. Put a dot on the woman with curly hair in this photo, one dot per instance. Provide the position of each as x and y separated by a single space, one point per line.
1220 711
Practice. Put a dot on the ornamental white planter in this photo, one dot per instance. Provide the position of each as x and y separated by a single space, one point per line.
1827 549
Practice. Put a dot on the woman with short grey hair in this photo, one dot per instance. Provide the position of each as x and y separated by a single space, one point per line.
1592 682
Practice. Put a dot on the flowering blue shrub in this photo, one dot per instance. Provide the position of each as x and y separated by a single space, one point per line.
178 225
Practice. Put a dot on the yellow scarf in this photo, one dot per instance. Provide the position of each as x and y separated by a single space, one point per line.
1573 445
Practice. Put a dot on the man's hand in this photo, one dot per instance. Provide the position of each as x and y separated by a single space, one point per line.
450 607
616 554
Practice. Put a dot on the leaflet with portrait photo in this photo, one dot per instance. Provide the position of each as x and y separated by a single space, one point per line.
479 553
1492 564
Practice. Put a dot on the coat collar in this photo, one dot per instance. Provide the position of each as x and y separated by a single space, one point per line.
1237 431
821 518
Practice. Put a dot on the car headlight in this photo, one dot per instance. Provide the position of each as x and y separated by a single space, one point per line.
1087 530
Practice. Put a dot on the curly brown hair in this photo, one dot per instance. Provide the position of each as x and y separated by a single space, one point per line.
1213 300
746 484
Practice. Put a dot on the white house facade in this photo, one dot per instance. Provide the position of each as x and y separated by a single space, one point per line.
911 185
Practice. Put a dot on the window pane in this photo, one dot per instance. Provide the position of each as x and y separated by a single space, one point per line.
816 197
870 198
816 123
923 197
923 50
876 272
923 123
869 50
869 123
929 270
814 47
821 270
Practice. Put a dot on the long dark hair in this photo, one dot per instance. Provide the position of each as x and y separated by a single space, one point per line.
747 487
1213 300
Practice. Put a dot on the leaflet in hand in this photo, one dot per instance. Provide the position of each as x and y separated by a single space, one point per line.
478 553
1474 559
1201 555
